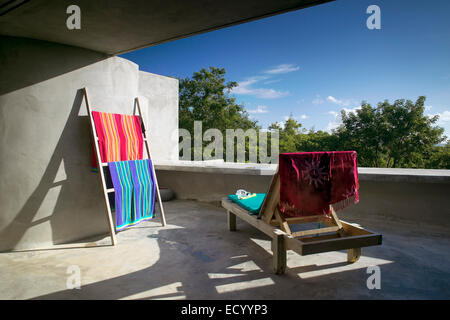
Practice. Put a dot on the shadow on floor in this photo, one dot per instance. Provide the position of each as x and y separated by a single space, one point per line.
200 261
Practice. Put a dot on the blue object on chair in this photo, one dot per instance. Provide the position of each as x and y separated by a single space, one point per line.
251 204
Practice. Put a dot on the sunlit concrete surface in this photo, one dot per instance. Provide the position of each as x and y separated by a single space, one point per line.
196 257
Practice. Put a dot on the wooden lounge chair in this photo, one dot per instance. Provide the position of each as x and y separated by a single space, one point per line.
336 235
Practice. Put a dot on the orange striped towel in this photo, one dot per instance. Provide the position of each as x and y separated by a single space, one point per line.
119 137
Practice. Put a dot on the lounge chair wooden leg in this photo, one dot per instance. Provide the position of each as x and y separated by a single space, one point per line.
279 254
231 221
353 255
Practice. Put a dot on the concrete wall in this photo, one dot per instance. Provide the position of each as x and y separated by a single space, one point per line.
48 194
413 196
159 98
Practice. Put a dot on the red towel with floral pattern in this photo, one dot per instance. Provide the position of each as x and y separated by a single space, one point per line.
311 181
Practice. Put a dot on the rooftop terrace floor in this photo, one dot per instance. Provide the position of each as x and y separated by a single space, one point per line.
196 257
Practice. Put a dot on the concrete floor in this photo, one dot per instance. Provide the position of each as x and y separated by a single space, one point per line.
196 257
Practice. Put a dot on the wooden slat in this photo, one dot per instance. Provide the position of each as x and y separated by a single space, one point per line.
353 230
335 218
271 200
231 221
251 219
353 255
64 246
163 217
293 244
320 237
111 226
268 195
297 220
342 243
279 252
282 222
314 231
356 237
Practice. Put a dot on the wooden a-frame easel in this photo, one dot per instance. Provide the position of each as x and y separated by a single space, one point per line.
337 235
101 165
112 231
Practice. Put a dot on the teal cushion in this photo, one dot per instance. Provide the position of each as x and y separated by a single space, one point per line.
253 204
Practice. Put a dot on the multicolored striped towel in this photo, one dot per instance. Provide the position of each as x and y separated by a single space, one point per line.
135 189
123 188
119 137
144 189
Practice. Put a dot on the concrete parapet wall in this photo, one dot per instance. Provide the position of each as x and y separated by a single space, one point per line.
417 196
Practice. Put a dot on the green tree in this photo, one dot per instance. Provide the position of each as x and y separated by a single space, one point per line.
365 132
294 138
439 158
391 135
317 141
388 135
288 134
412 135
206 97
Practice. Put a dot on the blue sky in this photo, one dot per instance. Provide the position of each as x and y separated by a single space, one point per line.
314 62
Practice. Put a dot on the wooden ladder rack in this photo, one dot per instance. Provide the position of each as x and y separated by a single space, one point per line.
101 165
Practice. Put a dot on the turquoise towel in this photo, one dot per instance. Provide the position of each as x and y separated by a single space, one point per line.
252 204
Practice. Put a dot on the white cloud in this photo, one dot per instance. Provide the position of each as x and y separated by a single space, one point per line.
335 122
272 81
342 103
242 87
443 121
333 113
333 99
444 116
301 117
352 110
269 93
259 109
245 87
428 108
282 68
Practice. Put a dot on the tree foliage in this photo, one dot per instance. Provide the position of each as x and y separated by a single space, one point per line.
205 97
388 135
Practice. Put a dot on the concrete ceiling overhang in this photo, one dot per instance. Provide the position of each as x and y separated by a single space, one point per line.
118 26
